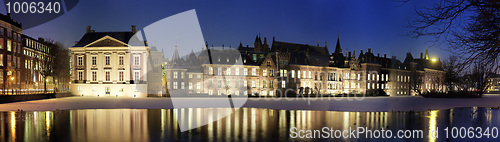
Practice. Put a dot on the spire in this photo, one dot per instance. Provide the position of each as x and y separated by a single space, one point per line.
257 38
175 56
337 48
427 53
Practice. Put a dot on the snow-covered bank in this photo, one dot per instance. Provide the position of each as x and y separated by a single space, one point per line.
334 104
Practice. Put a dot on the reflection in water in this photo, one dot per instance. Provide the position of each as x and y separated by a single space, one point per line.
432 125
245 124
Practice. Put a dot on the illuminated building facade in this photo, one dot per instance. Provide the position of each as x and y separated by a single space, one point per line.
36 53
104 64
494 84
10 53
290 69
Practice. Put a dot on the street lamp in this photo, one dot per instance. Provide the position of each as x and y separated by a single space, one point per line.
433 59
12 83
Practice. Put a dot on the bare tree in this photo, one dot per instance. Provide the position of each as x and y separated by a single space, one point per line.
60 65
479 77
56 65
471 28
450 66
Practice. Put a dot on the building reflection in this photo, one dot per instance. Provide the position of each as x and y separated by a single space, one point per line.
245 124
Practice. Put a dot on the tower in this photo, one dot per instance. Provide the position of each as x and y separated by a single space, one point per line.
257 44
427 54
337 48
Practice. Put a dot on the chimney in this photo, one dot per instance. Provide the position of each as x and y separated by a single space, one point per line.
88 30
361 51
134 29
273 39
349 55
41 39
385 55
421 55
223 47
378 54
369 50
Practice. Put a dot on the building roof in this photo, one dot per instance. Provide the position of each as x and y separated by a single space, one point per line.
90 37
294 47
8 19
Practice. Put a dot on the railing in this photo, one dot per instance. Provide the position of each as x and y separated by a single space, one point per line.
25 91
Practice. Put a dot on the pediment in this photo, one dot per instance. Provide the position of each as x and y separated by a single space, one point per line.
107 41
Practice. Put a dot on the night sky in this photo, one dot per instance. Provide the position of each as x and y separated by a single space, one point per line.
379 25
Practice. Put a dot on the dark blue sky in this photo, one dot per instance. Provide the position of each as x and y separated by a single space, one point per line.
362 24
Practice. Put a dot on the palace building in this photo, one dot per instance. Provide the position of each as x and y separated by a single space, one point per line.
289 69
104 64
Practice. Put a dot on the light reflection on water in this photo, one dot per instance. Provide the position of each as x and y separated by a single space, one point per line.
246 124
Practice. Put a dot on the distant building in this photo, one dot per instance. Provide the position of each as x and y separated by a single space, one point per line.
36 54
291 69
104 64
494 84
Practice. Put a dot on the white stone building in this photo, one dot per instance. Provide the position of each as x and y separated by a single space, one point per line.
104 64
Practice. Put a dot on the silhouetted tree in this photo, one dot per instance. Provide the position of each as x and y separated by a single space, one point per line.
57 65
470 27
450 66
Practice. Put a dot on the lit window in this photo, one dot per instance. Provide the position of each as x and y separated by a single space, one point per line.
80 60
264 72
94 60
9 45
121 75
80 75
108 76
107 60
136 60
94 76
120 60
136 75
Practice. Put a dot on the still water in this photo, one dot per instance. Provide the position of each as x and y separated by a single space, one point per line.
246 124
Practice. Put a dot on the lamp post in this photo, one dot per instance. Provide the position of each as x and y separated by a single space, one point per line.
12 84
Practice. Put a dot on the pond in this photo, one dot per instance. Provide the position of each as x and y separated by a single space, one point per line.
245 124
